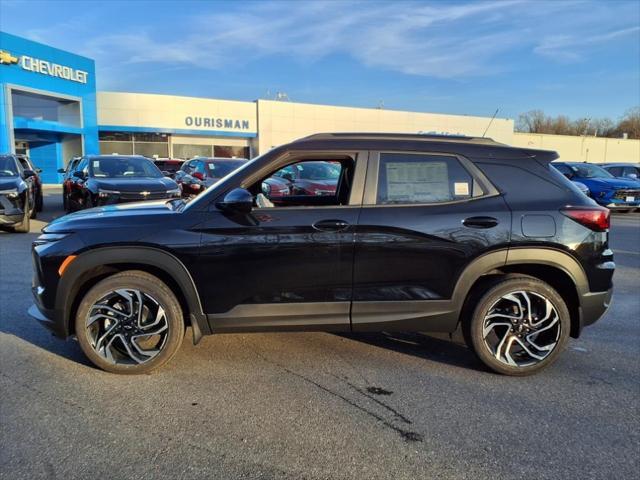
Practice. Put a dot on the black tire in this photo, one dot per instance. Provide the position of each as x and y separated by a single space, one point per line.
128 281
65 202
25 225
491 299
39 202
34 211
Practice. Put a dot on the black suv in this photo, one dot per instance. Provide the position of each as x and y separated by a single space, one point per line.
423 233
18 194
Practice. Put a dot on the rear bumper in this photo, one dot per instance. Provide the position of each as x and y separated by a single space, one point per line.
593 306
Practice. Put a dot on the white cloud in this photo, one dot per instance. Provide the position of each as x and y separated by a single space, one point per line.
434 39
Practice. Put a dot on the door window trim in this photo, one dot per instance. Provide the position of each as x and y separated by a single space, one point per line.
480 182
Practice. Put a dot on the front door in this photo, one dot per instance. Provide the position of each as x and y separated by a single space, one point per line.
289 263
424 219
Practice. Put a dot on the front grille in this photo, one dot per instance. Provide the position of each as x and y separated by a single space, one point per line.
627 192
137 196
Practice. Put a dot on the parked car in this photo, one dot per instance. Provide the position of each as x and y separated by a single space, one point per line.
623 170
311 178
423 233
168 166
583 188
27 164
108 179
201 172
276 187
18 197
67 182
614 193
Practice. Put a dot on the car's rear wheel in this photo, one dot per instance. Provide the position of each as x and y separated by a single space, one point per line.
130 323
39 201
519 326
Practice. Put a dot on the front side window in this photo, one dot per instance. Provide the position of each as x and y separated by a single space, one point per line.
584 170
309 183
414 178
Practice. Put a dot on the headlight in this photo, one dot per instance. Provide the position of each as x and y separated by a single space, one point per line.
175 192
49 237
102 193
10 193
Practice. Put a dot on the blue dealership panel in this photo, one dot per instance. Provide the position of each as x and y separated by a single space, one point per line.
48 100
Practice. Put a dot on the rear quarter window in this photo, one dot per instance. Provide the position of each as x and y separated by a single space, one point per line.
416 178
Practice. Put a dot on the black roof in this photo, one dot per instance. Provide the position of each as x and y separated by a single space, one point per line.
472 147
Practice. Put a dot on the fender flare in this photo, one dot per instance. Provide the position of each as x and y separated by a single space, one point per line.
74 277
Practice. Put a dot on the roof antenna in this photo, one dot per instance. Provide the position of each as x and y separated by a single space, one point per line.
490 122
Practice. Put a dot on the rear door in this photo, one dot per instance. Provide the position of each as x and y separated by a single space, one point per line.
424 218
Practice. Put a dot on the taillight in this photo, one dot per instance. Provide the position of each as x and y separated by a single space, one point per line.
595 218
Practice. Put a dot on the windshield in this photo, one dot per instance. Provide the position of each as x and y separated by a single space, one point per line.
584 170
123 167
219 169
8 167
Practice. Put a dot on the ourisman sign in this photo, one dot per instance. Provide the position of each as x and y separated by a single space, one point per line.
209 122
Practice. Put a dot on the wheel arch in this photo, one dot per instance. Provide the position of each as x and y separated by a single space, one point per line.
555 267
94 265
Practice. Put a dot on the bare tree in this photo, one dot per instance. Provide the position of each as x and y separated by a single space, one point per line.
535 121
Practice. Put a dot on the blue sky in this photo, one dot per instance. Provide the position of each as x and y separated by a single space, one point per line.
574 57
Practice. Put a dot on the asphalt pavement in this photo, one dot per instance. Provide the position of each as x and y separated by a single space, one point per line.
316 406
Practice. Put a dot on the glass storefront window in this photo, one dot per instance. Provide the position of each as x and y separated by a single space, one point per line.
151 137
114 136
189 151
150 149
121 148
223 151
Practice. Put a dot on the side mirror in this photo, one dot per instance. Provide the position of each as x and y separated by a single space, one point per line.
61 170
28 173
38 170
237 200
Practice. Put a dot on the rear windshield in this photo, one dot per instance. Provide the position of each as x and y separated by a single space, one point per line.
123 167
8 167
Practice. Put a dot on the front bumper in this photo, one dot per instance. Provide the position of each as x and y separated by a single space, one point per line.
9 219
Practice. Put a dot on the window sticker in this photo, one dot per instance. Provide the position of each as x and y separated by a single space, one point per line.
417 182
96 164
461 188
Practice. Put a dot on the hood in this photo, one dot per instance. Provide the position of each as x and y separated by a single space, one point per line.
609 183
134 185
112 215
9 183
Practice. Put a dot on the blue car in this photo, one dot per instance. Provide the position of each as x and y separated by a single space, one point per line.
614 193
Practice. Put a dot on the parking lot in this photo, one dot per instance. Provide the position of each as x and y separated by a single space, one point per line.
315 405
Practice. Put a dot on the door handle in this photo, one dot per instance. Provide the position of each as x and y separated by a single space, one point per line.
480 222
331 225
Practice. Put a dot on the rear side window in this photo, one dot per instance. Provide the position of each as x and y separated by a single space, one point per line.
415 178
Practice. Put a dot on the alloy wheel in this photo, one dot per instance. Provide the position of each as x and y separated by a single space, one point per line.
127 327
521 328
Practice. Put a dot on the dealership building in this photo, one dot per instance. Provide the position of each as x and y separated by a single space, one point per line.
50 110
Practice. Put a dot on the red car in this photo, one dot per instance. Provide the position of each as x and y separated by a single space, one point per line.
67 181
276 187
201 172
168 166
311 178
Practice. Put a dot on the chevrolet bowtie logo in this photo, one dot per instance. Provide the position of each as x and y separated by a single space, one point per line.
144 194
5 57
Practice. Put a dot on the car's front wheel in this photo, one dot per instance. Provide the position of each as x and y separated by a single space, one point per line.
130 323
519 326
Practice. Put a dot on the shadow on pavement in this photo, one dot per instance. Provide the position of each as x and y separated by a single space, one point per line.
428 347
